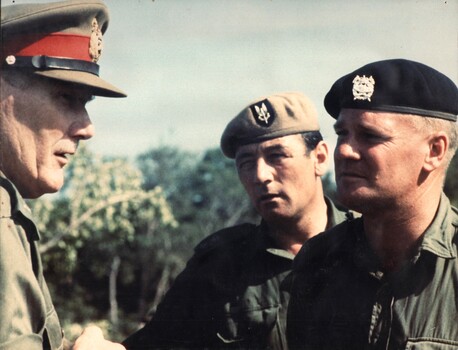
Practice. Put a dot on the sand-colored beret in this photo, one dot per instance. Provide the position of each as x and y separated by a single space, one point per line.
268 118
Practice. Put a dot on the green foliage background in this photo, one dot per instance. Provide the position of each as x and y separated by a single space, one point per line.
119 232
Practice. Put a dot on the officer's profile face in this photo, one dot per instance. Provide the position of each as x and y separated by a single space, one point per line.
379 158
40 127
279 177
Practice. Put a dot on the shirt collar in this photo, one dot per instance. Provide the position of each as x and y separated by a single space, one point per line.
438 237
12 205
335 216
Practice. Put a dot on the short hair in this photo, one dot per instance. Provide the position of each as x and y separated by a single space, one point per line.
311 140
18 78
431 124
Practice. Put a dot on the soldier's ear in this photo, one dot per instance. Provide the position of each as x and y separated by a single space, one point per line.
321 158
438 146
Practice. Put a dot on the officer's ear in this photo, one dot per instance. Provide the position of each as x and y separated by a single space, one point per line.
438 143
321 152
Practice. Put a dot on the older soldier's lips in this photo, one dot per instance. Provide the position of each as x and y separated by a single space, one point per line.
62 157
64 152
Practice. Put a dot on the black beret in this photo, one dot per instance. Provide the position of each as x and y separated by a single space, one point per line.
398 86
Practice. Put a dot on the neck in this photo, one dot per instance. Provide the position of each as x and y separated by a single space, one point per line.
291 234
395 234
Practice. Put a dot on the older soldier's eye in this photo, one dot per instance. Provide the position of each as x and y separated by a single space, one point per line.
66 97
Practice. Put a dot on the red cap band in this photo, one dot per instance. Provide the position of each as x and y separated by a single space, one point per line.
54 45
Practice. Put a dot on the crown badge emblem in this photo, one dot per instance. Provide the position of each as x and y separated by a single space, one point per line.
363 88
95 42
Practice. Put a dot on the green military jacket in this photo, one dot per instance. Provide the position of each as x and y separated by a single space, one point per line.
228 296
340 298
28 319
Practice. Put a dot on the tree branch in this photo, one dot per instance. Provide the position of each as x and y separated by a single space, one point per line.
91 211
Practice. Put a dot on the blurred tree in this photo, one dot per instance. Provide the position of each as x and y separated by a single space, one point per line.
329 185
205 195
218 196
205 192
95 229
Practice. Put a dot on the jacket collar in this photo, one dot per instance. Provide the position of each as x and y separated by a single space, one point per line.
438 237
13 206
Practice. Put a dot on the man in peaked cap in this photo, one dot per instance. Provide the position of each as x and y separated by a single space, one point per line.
48 74
229 294
387 280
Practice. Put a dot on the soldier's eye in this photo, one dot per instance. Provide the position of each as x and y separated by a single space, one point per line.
276 157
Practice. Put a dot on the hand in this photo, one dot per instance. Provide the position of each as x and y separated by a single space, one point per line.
92 339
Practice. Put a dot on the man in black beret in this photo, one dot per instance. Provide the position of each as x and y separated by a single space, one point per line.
387 280
229 297
48 74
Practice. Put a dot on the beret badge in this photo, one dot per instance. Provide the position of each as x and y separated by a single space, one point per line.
263 113
95 42
363 88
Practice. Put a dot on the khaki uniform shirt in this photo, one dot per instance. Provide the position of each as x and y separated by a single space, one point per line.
228 297
340 298
28 319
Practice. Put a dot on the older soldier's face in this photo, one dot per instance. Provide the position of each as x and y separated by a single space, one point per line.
279 177
378 159
40 127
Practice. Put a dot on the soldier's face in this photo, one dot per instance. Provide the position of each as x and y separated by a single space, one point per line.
280 179
378 159
40 127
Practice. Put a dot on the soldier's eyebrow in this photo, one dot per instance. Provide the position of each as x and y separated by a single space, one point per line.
275 148
244 154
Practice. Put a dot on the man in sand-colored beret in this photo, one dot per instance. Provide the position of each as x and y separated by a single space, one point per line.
229 296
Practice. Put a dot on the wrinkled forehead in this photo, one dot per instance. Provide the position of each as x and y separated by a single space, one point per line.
292 143
368 119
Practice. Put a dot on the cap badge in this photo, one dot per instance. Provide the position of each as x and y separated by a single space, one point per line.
263 113
95 42
363 88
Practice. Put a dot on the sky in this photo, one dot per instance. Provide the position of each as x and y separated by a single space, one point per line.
189 66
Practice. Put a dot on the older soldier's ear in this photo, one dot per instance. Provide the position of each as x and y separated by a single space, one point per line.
438 146
321 152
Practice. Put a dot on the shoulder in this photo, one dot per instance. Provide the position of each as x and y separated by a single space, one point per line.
338 214
5 199
455 216
218 259
328 245
223 238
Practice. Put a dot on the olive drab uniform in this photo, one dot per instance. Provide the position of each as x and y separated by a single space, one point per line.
340 299
28 319
228 296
